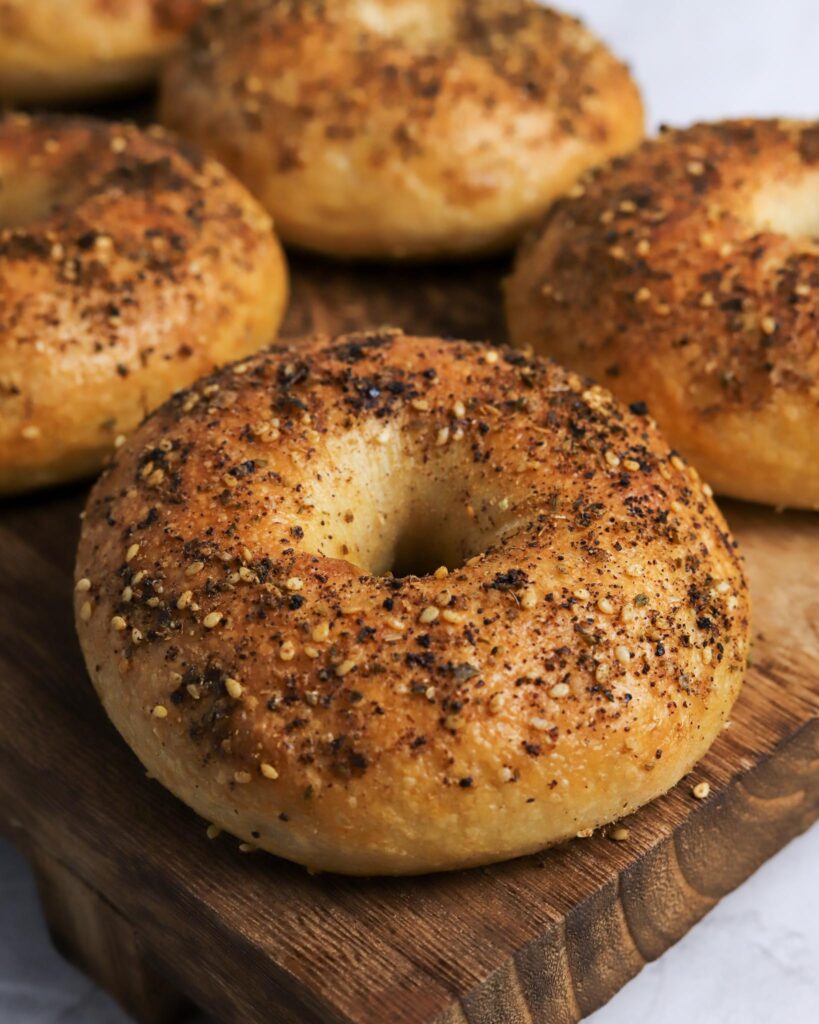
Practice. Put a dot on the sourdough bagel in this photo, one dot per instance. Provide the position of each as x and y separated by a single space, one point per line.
401 128
686 275
562 638
128 267
61 50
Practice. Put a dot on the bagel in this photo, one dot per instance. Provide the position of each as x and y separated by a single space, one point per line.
686 275
62 50
401 128
128 268
402 605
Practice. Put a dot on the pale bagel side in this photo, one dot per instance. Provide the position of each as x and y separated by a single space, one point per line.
686 276
128 267
56 51
563 637
401 128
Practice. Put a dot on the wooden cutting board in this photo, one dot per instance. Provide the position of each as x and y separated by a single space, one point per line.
137 895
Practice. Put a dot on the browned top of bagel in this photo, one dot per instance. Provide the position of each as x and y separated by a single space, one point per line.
246 636
128 266
458 102
687 274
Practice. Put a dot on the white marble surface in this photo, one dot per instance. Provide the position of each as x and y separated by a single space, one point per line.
755 958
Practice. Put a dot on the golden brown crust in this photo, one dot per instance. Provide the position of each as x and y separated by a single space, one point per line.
238 622
54 51
128 267
686 275
401 127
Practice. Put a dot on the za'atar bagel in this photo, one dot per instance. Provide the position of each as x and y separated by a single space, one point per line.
686 276
54 51
401 128
128 267
403 604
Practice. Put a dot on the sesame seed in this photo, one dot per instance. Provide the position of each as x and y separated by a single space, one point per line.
605 606
138 577
602 672
234 688
577 191
559 690
631 465
132 552
451 616
708 490
444 598
160 711
582 594
642 294
31 433
491 357
459 410
723 587
441 572
213 831
619 834
194 568
420 404
310 651
194 691
528 598
768 325
695 168
287 651
506 774
83 585
346 666
612 459
294 583
429 693
628 206
677 463
185 599
212 619
268 771
247 848
118 623
118 144
242 777
634 569
311 698
127 594
442 437
802 289
701 790
429 614
707 300
496 703
320 632
384 436
85 611
136 635
707 655
622 653
643 247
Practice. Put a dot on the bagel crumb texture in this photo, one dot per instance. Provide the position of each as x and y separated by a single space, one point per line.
380 714
686 277
128 267
401 127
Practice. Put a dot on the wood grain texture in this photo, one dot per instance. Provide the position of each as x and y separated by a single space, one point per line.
250 938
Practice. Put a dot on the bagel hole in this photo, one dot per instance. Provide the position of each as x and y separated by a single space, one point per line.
789 208
405 510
